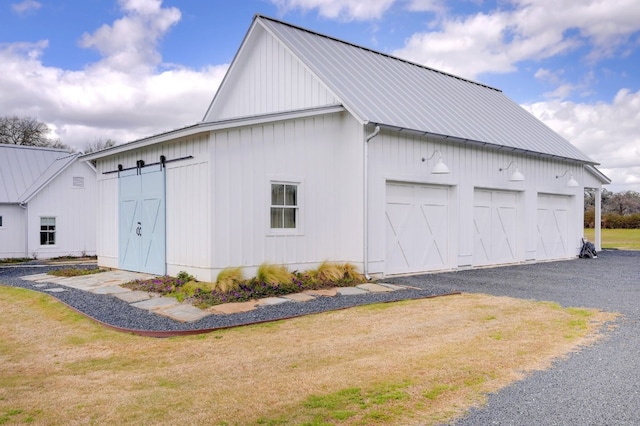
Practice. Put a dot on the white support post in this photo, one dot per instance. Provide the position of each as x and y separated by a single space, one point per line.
598 220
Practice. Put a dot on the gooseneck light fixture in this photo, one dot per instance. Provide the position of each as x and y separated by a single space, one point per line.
516 176
572 183
440 168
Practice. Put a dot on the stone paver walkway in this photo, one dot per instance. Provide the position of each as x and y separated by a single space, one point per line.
110 282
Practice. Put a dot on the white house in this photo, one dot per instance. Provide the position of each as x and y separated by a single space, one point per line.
316 149
47 203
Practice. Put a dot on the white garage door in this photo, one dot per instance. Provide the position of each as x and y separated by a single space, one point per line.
553 227
417 228
495 223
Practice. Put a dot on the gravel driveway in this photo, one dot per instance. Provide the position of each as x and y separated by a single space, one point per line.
600 385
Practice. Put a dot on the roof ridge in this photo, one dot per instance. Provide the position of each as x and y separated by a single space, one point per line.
38 148
297 27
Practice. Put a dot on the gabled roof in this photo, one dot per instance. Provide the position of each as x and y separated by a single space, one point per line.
25 170
381 89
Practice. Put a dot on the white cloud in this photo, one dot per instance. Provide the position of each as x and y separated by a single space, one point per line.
126 95
465 47
533 29
608 132
25 7
344 10
131 42
426 6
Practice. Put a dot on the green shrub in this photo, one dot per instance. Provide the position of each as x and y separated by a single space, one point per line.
185 277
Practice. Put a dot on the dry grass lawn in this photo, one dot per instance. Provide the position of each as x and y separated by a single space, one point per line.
423 361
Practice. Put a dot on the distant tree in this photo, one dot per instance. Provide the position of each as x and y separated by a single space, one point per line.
589 200
619 209
98 145
623 203
28 131
24 131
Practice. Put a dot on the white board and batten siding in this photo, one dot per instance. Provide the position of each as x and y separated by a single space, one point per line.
218 202
70 199
12 231
271 79
474 216
313 153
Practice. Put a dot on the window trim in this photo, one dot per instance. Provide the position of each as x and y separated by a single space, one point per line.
54 231
299 229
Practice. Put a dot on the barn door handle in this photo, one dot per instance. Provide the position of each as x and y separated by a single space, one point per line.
139 230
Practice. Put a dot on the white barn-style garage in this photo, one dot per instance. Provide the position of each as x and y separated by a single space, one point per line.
316 149
47 203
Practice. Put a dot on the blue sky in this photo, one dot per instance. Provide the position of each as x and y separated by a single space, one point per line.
124 69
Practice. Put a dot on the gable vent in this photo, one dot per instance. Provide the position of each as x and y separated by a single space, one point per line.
78 182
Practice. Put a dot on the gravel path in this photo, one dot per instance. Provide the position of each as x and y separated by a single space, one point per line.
599 385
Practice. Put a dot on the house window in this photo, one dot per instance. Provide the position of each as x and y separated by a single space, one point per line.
284 206
47 231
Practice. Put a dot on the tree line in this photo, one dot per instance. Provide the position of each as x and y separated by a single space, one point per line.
29 131
619 209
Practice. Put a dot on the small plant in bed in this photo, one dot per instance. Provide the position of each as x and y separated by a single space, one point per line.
72 258
74 272
232 286
13 260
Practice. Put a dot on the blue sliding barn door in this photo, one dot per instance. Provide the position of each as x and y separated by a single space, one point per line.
142 233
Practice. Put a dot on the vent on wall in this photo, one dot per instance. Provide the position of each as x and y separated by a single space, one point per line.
78 182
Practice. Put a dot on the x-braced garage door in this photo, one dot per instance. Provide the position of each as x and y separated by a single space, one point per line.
553 227
417 228
495 217
142 220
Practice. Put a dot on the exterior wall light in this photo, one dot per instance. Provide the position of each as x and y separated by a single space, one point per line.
516 176
572 183
440 168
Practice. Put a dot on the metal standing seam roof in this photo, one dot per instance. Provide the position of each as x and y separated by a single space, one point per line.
381 89
25 170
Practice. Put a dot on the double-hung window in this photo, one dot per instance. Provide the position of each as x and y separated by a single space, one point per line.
284 205
47 231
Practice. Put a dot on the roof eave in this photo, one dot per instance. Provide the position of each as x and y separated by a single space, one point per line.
497 147
598 174
34 190
210 127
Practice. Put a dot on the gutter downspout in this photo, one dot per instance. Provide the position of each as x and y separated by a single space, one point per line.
366 201
25 207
